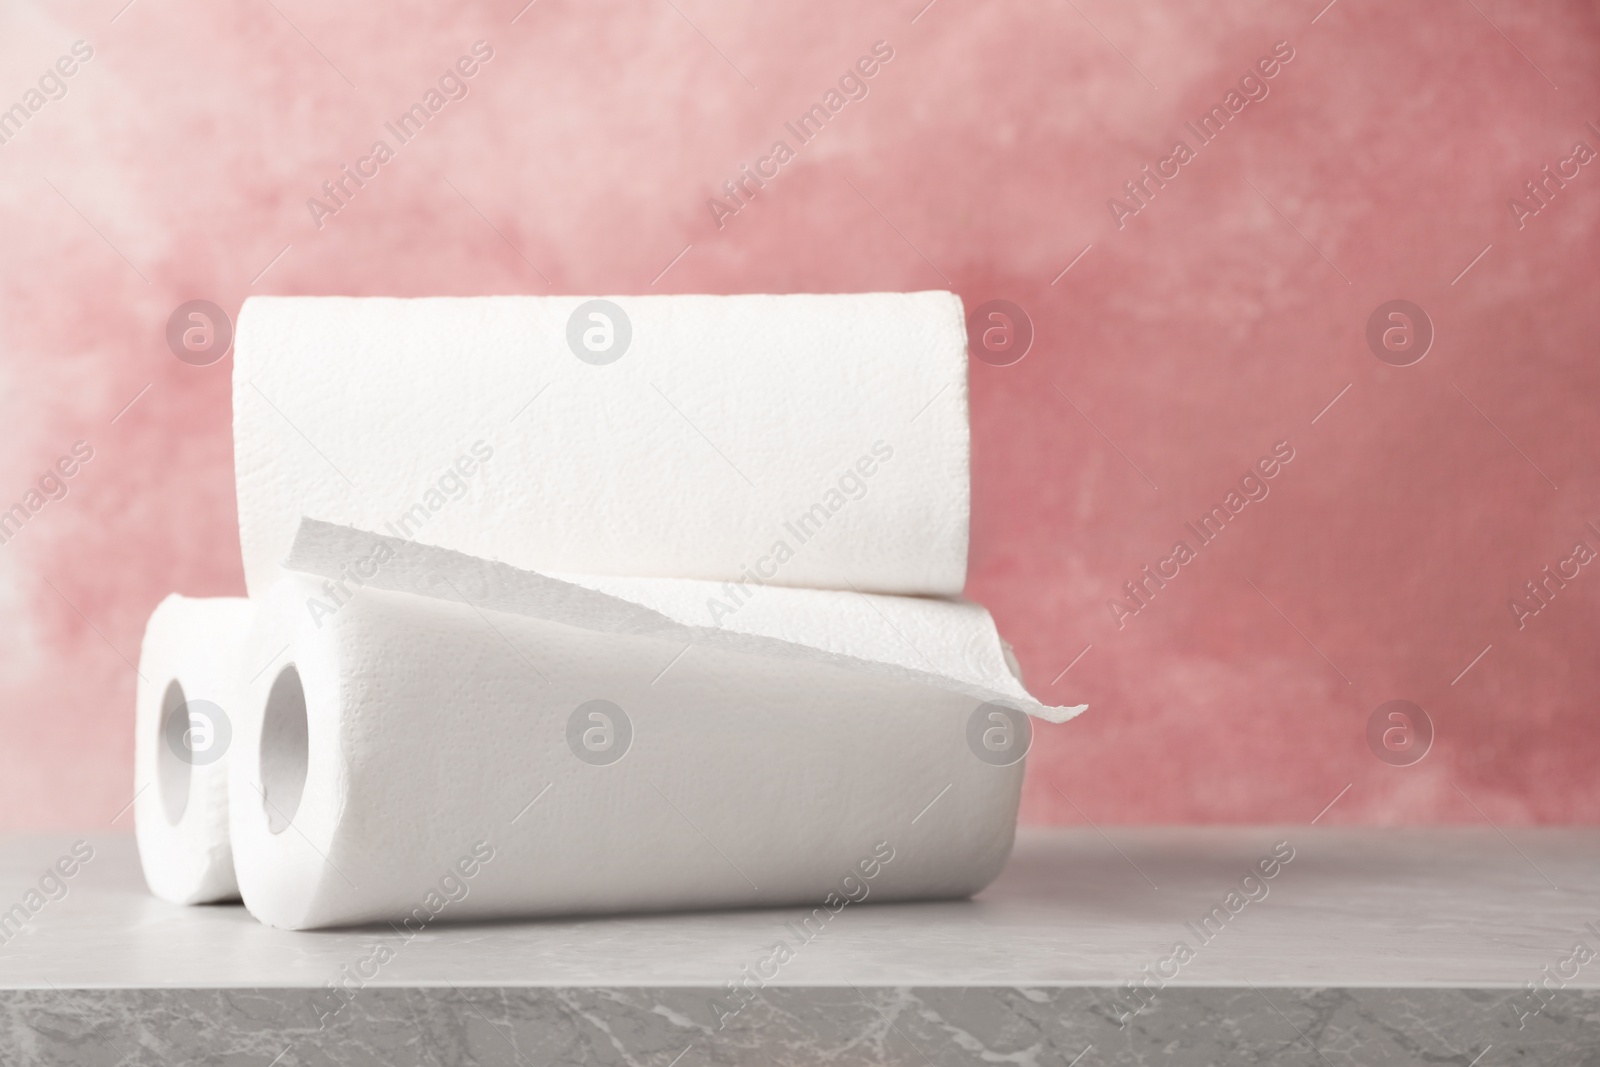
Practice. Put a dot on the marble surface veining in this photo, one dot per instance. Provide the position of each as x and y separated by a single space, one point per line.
658 1027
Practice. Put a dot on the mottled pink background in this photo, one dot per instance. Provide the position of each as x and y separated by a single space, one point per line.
1223 318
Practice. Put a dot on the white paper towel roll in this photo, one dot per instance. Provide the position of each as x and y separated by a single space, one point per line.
800 440
408 759
186 702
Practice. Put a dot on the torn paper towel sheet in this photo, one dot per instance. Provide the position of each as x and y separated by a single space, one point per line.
808 440
945 644
410 759
186 701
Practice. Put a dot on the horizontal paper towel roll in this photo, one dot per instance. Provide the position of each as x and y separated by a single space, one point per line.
186 702
805 440
408 759
949 644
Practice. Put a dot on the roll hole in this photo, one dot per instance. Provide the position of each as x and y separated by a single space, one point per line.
284 736
172 768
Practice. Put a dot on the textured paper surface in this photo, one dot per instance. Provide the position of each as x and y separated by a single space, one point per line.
195 641
947 644
822 440
438 733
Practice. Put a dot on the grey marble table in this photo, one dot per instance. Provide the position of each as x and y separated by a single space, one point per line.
1455 946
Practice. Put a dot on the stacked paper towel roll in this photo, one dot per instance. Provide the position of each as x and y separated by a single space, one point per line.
405 732
835 425
571 605
187 697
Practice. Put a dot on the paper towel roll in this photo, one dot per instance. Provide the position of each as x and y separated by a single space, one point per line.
800 440
409 759
185 705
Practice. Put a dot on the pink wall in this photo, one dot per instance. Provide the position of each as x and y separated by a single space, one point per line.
1220 319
